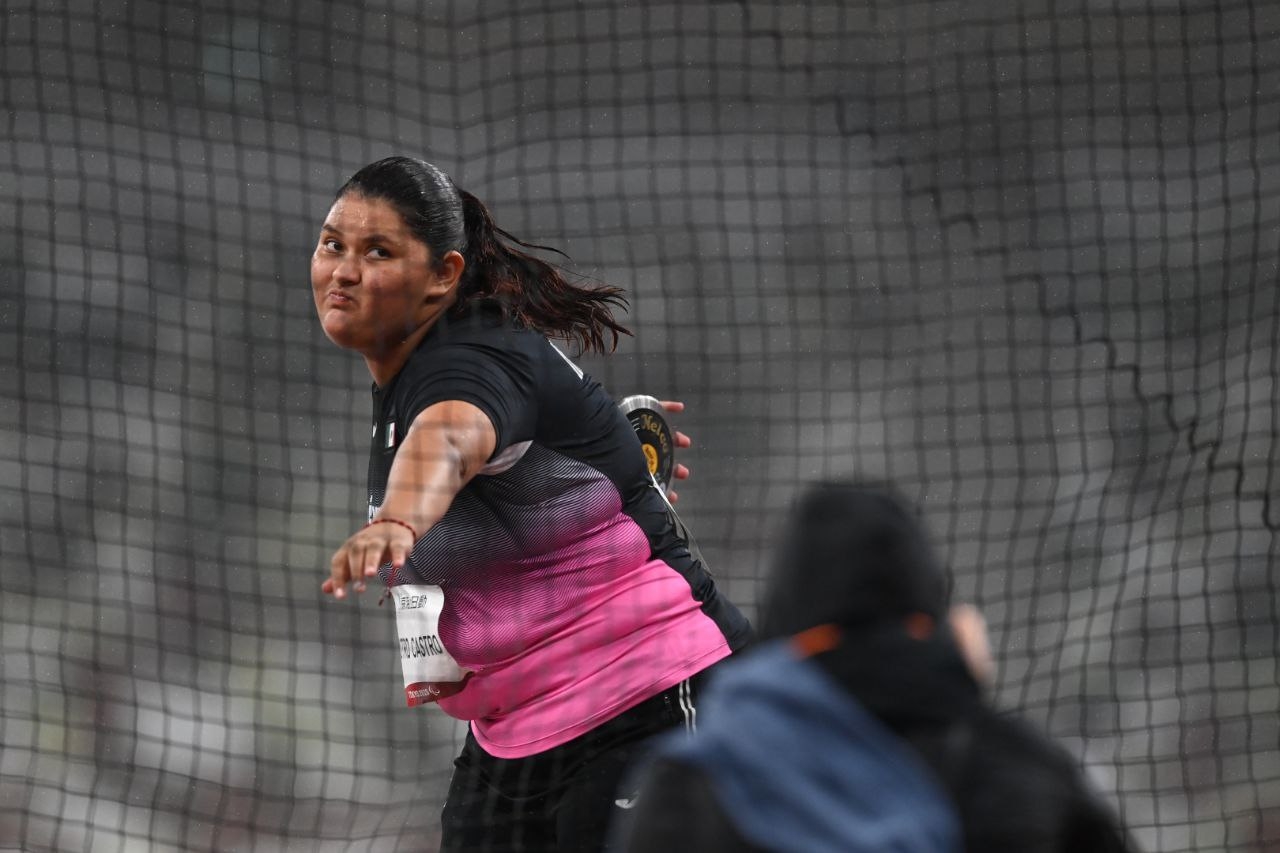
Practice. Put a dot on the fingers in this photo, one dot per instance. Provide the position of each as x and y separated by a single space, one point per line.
340 572
680 472
682 441
397 552
362 555
675 407
370 559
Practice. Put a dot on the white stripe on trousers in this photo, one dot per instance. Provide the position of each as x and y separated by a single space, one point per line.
685 696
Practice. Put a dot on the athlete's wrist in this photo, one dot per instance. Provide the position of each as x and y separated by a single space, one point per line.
389 519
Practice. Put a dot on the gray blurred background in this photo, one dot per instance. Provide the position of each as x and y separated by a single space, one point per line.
1020 258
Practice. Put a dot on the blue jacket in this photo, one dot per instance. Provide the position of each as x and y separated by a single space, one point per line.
796 764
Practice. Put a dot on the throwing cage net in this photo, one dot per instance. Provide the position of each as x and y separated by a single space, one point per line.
1020 259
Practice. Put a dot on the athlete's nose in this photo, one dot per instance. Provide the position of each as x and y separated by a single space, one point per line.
346 270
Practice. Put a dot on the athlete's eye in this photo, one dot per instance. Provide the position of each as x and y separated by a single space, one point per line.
379 252
331 245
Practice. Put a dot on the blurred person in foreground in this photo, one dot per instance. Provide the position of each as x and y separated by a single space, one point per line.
859 723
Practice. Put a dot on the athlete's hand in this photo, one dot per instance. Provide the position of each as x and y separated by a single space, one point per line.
680 472
362 554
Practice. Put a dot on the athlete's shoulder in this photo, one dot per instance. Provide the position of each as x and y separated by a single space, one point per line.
483 322
476 337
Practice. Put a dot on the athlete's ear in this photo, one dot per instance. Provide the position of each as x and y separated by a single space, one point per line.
446 274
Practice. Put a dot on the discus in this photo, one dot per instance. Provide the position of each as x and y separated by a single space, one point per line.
656 439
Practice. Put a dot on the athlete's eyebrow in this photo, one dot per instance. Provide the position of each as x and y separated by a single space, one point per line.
368 238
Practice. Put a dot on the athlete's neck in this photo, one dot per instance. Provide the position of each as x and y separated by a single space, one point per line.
386 363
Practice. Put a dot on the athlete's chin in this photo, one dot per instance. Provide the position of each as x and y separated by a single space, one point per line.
341 331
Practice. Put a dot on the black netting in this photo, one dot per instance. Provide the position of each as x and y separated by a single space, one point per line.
1019 258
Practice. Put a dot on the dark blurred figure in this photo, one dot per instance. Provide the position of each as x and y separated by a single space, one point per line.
859 722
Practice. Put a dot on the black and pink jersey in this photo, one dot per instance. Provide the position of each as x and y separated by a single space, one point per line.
571 590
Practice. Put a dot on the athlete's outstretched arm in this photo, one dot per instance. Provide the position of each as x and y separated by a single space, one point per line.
445 446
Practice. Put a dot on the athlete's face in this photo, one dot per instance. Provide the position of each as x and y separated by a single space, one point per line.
373 281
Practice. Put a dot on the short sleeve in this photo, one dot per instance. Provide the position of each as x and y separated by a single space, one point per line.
498 380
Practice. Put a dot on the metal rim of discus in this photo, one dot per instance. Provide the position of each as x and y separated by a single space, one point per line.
656 438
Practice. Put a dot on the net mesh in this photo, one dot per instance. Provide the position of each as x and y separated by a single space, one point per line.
1020 259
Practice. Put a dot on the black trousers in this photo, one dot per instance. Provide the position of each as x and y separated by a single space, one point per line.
562 800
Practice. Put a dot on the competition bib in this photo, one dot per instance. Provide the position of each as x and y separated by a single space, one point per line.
430 672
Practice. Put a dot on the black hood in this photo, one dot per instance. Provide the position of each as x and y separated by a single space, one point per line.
851 554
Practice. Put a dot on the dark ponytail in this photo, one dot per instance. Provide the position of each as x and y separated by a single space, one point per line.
535 293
